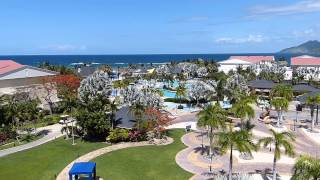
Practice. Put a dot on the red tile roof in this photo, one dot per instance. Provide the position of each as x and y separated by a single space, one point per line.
253 59
9 65
306 61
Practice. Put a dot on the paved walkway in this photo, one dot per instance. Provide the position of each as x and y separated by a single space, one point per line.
63 175
51 132
193 159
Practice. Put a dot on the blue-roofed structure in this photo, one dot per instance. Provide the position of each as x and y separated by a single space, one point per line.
83 168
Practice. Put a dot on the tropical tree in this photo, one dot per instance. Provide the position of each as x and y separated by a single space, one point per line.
231 139
212 117
284 91
280 105
243 110
306 167
280 96
312 102
279 140
181 92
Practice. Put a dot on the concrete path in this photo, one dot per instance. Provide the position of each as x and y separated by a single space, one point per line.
63 175
51 132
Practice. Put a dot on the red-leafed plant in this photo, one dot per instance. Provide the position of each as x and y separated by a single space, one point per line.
157 120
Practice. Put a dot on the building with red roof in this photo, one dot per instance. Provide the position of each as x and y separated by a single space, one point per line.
13 74
306 61
254 59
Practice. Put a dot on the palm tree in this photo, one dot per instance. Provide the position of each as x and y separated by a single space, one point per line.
284 91
306 167
280 105
138 111
213 118
243 110
280 96
312 102
181 92
279 140
116 85
241 140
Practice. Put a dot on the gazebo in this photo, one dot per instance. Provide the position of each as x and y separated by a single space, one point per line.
86 168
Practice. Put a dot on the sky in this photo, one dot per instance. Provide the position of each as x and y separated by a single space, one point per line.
155 27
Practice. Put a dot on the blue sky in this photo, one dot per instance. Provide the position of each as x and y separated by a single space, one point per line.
155 27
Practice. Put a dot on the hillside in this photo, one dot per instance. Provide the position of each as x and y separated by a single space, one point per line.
310 47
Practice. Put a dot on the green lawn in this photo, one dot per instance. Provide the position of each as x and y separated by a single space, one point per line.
44 161
149 162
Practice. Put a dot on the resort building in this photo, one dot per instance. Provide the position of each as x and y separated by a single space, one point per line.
307 65
15 77
13 74
235 62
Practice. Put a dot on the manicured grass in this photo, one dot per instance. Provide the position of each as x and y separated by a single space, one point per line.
149 162
45 161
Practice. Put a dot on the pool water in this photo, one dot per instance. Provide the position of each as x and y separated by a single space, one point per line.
169 94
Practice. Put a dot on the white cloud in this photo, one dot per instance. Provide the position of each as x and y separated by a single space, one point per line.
66 48
295 8
238 40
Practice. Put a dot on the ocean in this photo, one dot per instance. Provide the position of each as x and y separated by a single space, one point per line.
124 60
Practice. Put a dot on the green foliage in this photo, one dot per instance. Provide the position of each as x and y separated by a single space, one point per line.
306 167
279 140
92 117
176 100
58 68
284 91
51 119
118 135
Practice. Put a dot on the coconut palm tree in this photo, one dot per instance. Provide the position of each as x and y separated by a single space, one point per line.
279 140
280 96
116 85
312 102
280 104
306 167
284 91
213 118
241 140
243 110
181 92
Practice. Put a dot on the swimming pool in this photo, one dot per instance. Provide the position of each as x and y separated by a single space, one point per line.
169 94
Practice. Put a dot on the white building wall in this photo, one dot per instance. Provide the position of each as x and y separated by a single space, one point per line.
25 73
228 67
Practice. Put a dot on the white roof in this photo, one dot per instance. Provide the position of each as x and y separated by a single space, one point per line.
235 62
305 56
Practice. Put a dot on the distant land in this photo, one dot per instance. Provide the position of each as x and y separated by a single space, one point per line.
309 47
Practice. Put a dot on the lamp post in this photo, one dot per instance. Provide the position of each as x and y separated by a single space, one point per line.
72 132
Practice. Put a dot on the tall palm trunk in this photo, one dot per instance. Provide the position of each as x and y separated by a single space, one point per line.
312 119
230 164
279 118
210 143
274 177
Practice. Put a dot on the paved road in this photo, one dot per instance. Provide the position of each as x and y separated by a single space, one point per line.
51 132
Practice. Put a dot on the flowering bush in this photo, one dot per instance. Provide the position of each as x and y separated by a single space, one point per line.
137 135
3 137
118 135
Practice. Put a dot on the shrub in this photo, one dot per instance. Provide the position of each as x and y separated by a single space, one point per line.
137 135
3 137
51 119
180 107
118 135
176 100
